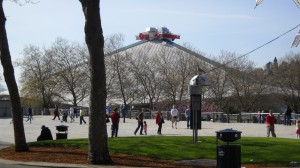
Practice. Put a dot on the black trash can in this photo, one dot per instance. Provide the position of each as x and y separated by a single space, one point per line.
62 132
229 155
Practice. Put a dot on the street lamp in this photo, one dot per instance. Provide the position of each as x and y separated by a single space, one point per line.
195 92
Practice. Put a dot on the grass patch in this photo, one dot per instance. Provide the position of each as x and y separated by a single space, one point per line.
253 150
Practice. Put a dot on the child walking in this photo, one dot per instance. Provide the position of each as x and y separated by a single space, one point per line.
298 129
145 127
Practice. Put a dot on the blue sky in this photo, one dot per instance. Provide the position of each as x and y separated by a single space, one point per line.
208 25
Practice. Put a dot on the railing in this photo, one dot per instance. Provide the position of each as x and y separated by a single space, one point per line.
245 117
221 117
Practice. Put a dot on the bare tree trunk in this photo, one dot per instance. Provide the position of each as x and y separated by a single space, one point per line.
8 71
98 147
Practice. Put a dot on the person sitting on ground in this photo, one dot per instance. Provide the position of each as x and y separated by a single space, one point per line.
45 134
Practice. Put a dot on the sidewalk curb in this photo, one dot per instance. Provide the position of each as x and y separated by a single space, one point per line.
57 165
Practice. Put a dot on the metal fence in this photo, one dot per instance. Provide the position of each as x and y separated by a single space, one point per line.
245 117
220 116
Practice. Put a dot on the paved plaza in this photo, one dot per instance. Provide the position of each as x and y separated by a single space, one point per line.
126 129
75 130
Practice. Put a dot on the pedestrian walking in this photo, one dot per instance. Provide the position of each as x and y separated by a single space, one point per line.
56 113
81 115
115 119
270 120
288 114
140 119
159 120
124 112
29 114
71 113
174 114
188 116
76 112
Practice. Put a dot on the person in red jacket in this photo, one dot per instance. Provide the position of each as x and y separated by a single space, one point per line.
270 120
115 118
159 120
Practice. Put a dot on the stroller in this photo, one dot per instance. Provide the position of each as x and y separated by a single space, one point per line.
64 117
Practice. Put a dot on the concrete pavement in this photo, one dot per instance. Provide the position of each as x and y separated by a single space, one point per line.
32 131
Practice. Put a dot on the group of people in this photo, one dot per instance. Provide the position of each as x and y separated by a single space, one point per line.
142 125
73 112
159 119
123 111
270 121
260 116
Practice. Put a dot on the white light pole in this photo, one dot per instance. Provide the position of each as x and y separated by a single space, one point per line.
297 2
297 38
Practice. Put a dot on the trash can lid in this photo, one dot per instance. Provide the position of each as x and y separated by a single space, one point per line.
228 135
62 128
229 130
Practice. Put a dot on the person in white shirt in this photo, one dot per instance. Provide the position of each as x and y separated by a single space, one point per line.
71 113
174 114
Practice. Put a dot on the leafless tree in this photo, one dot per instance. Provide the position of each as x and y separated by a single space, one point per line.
287 78
145 75
220 87
177 68
37 80
120 81
167 67
245 89
71 72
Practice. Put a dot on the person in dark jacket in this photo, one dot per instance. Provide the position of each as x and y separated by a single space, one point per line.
29 114
140 119
45 134
123 112
288 115
56 113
